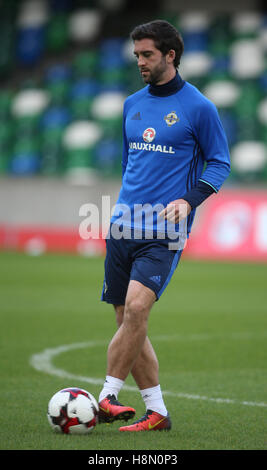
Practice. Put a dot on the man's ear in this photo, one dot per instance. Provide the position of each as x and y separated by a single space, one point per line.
171 56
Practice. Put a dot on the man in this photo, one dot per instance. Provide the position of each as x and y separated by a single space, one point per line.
170 130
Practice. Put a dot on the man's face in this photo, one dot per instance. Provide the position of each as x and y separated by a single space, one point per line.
152 63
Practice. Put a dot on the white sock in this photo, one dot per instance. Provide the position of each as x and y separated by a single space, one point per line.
153 400
111 386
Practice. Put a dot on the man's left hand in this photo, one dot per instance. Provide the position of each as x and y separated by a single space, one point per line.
176 211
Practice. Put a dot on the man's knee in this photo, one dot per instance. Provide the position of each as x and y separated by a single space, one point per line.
135 313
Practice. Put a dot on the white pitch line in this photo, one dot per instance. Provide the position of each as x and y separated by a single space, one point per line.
43 362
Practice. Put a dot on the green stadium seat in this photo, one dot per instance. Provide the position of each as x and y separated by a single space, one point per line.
52 152
262 117
262 112
6 97
81 108
113 78
82 158
246 111
6 139
134 79
57 36
84 64
58 91
7 54
4 161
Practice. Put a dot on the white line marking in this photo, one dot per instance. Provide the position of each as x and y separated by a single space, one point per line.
43 362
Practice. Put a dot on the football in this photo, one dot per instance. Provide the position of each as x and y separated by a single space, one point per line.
73 411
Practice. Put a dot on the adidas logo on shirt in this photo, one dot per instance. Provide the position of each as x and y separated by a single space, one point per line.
137 117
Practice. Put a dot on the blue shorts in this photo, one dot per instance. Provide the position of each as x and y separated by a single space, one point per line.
150 262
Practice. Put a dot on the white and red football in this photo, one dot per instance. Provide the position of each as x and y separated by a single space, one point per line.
73 411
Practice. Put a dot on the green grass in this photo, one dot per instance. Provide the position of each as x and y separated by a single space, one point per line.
209 331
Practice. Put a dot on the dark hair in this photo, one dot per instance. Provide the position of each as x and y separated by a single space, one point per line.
165 36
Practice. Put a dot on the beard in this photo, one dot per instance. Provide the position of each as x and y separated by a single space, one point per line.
154 76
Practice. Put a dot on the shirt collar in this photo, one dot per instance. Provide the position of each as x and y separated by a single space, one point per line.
169 88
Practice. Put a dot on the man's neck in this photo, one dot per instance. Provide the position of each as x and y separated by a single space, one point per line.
170 74
168 88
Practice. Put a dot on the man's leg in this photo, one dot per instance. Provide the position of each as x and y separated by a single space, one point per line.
130 338
126 345
145 370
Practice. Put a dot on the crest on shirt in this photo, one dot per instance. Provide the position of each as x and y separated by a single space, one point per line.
149 134
171 118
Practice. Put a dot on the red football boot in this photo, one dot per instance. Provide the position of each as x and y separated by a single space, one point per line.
151 421
110 409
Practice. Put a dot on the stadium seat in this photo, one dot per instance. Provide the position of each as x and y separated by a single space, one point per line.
57 83
55 117
246 24
224 94
262 117
84 25
85 63
32 19
7 50
58 72
108 157
246 111
25 156
79 142
262 112
6 137
29 102
133 77
194 27
6 96
195 67
26 108
52 125
59 6
57 35
82 94
249 161
107 111
51 151
83 74
241 67
112 65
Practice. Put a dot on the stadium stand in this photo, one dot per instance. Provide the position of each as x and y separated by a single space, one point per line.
64 80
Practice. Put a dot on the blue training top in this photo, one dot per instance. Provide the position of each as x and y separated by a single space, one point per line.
173 141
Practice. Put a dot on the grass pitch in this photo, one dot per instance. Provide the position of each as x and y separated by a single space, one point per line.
208 329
